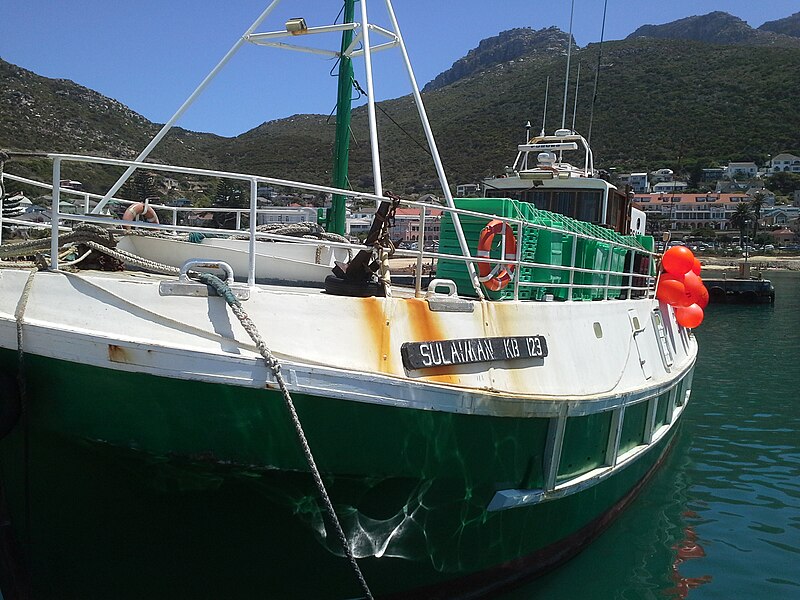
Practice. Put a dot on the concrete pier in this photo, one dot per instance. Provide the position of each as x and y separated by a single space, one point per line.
742 289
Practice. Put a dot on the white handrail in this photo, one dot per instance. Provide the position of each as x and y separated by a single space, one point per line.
517 223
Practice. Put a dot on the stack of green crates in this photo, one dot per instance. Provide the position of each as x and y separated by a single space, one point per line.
530 243
600 260
587 254
552 247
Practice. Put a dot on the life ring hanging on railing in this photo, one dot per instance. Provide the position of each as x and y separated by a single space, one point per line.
498 275
134 210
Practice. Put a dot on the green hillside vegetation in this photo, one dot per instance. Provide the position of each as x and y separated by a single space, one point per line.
57 115
661 103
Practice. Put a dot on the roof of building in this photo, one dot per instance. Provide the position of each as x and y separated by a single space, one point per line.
690 198
785 156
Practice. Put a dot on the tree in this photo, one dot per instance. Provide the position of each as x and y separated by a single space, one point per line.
755 207
740 219
657 222
140 186
229 194
784 183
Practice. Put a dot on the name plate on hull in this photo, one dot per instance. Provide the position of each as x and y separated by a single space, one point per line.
424 355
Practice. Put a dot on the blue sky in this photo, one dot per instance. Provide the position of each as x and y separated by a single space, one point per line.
151 54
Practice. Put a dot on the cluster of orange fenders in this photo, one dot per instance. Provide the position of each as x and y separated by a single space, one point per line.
681 287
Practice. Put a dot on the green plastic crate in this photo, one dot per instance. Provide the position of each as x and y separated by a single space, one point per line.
472 227
553 248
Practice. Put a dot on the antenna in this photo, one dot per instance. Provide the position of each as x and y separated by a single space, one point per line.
544 115
575 107
597 74
527 132
566 76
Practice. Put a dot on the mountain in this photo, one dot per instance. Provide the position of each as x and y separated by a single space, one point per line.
787 26
716 28
659 104
58 115
511 45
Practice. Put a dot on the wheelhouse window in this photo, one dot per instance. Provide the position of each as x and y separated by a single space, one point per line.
585 205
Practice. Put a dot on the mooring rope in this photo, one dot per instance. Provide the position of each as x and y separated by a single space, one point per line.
19 317
103 240
272 363
132 259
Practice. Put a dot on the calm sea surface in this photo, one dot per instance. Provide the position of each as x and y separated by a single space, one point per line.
721 519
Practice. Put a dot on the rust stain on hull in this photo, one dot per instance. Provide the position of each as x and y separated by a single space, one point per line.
410 315
118 354
425 326
131 356
377 330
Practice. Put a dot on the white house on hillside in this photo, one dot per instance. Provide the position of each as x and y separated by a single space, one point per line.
661 175
670 186
639 183
741 169
788 163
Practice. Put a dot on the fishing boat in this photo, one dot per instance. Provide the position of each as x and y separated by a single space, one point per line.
196 432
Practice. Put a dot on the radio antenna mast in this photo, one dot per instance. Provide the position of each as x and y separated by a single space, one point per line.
575 106
546 91
597 74
566 76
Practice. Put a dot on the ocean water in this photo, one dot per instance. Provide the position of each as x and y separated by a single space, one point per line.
721 519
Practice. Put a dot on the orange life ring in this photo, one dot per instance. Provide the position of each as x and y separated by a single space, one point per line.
496 276
134 210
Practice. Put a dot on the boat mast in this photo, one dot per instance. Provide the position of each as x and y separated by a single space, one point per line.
575 106
544 114
597 72
373 123
335 221
566 76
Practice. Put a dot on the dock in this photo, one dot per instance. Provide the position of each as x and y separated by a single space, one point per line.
743 289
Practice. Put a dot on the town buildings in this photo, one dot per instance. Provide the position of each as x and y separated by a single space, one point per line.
687 212
408 225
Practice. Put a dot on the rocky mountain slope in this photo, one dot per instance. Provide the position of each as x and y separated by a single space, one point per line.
57 115
787 26
506 47
716 28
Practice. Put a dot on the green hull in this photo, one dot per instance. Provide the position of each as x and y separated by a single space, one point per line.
125 485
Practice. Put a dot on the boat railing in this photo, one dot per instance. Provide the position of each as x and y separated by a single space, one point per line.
615 283
631 282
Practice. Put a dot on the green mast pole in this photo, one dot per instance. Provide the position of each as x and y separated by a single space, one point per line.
335 221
